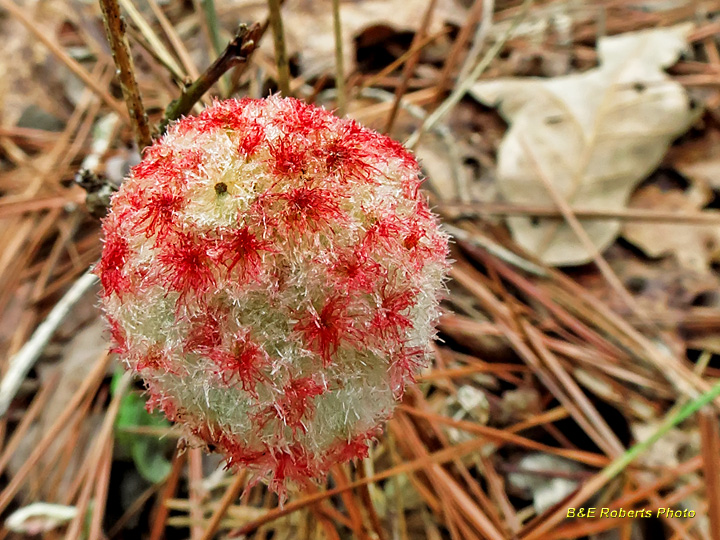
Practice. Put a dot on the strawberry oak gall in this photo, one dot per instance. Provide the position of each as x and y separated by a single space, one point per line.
273 273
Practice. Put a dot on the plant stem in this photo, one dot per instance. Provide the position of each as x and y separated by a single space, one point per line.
213 29
339 60
281 58
212 23
115 28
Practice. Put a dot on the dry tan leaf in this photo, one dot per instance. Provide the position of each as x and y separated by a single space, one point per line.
662 286
592 136
309 26
700 160
545 490
695 246
671 449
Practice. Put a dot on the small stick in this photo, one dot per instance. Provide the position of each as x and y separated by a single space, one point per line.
281 58
339 60
237 52
115 28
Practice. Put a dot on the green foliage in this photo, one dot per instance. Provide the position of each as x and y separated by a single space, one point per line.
147 450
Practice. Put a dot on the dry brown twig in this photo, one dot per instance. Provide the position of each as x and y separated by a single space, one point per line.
237 52
115 29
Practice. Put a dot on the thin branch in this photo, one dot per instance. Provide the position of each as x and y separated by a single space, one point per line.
115 28
339 60
237 52
281 58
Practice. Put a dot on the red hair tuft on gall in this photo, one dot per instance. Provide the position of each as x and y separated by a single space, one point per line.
273 273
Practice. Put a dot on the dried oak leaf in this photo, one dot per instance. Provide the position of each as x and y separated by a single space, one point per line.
591 136
694 246
699 160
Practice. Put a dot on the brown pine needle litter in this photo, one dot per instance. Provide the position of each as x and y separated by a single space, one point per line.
574 390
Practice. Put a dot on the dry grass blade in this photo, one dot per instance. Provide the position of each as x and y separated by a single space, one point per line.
618 465
576 226
171 484
606 437
22 362
499 436
103 444
339 60
447 487
102 486
532 362
28 418
155 44
440 456
348 497
368 503
195 476
175 40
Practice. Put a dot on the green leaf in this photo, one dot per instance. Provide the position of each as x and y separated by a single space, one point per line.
147 451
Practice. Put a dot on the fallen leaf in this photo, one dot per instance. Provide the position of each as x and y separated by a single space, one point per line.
470 404
661 287
593 136
671 450
546 490
699 160
695 246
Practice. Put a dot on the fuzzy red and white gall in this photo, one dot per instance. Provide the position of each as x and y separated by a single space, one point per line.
273 273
